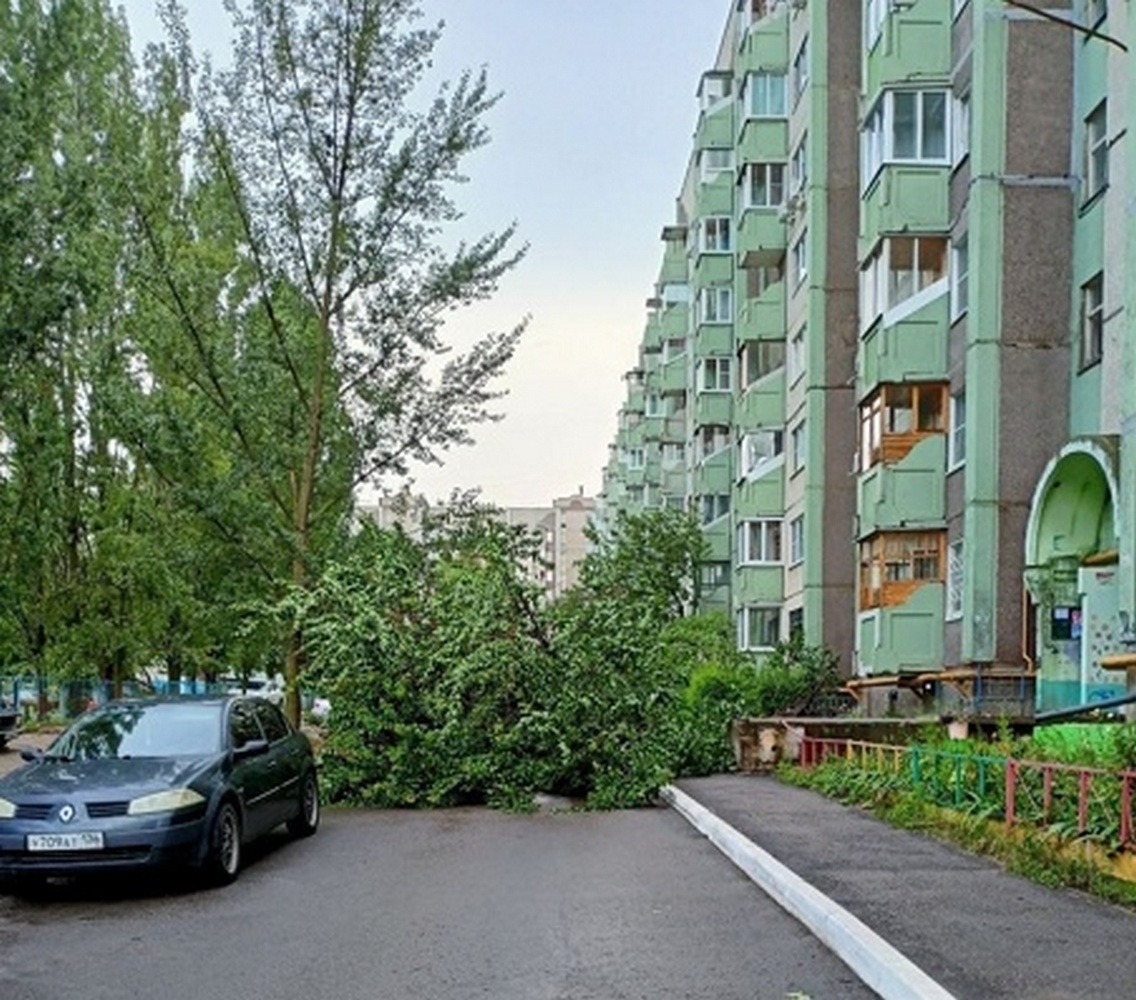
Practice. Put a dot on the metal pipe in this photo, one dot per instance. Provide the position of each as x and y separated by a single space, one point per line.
1057 714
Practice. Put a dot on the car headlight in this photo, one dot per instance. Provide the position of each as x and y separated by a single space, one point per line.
176 798
7 809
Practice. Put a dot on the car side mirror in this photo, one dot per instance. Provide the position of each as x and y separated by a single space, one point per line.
253 748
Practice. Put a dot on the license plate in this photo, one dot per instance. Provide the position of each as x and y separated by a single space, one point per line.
90 841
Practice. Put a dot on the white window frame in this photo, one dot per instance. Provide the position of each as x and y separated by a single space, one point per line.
716 234
960 127
878 133
714 89
799 258
769 616
796 361
767 178
797 540
760 542
799 166
716 374
875 14
801 69
1095 166
878 287
714 507
960 275
765 95
720 578
798 443
956 568
1092 321
714 162
672 454
635 458
760 452
956 442
716 304
674 348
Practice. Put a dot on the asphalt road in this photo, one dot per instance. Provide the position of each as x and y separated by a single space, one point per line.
445 905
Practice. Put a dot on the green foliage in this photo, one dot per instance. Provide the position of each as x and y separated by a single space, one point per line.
452 682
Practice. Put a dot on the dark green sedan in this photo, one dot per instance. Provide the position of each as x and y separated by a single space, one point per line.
160 782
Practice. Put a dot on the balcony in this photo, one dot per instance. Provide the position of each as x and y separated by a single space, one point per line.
759 584
906 197
912 349
763 318
908 493
763 139
762 403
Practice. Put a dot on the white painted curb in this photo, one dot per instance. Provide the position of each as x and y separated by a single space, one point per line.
883 969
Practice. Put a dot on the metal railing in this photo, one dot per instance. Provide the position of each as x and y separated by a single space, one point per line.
1071 801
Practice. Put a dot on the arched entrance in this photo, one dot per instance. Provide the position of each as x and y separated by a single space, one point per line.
1071 576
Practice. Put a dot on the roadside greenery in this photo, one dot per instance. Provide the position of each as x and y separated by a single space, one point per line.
955 789
452 681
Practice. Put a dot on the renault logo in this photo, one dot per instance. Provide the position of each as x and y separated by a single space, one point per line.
67 813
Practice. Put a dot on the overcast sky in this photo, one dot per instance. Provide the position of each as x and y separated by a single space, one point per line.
589 145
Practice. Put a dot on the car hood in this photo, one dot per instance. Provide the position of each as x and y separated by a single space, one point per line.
109 775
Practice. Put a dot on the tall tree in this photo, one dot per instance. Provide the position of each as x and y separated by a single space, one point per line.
338 275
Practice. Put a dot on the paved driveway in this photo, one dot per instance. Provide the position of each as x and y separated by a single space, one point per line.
444 905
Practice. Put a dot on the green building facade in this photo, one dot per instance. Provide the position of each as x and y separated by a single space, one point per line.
889 359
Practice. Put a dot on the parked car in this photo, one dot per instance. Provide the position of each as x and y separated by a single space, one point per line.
158 782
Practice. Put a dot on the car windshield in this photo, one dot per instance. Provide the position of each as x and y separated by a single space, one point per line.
164 729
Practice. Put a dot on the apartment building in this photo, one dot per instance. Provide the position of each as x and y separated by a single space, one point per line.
889 359
561 528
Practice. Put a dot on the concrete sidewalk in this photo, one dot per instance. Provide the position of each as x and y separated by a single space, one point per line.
971 929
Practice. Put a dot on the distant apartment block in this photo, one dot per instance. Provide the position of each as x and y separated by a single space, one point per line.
890 357
560 529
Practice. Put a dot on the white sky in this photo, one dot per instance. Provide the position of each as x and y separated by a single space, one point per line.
589 145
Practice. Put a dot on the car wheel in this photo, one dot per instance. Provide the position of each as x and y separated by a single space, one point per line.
223 862
306 821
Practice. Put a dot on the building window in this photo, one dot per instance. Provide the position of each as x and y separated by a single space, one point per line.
763 185
800 258
760 358
904 126
716 237
960 128
799 446
799 165
796 622
674 502
1092 320
960 268
957 451
714 575
760 279
714 89
759 542
714 162
712 438
673 453
654 405
797 540
1095 11
796 366
1096 151
634 458
893 565
801 69
759 627
875 13
714 507
954 580
717 304
717 375
759 452
897 417
763 95
898 270
674 348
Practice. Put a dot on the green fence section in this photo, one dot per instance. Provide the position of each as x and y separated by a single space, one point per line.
1066 800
